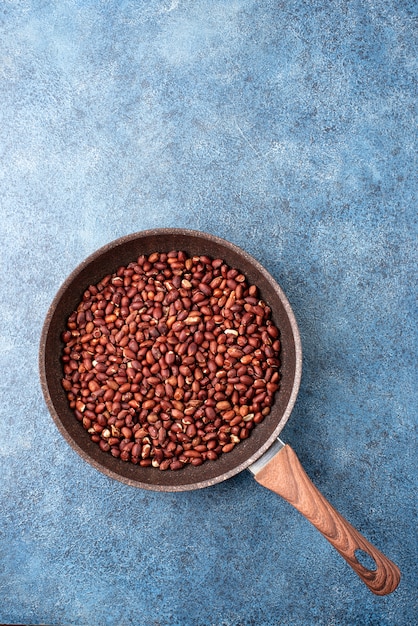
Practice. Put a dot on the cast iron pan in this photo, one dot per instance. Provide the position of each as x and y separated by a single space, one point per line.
273 463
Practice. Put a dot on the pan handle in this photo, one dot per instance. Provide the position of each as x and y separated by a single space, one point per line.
285 475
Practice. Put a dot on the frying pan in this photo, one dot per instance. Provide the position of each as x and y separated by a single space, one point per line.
273 464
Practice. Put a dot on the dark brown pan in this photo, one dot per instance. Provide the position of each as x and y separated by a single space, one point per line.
274 464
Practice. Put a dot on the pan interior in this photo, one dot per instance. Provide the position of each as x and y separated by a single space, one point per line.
107 260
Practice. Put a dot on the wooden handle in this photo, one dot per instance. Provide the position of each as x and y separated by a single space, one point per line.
285 476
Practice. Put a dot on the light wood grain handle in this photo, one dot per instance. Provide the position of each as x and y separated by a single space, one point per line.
284 475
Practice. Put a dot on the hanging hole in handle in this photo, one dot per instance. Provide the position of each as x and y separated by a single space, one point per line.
365 560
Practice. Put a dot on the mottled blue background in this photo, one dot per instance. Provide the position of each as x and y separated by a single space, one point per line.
289 129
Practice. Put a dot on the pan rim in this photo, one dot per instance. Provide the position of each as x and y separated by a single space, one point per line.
204 236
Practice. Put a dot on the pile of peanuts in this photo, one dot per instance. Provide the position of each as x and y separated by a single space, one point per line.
171 360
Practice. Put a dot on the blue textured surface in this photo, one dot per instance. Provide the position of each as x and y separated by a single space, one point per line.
287 128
